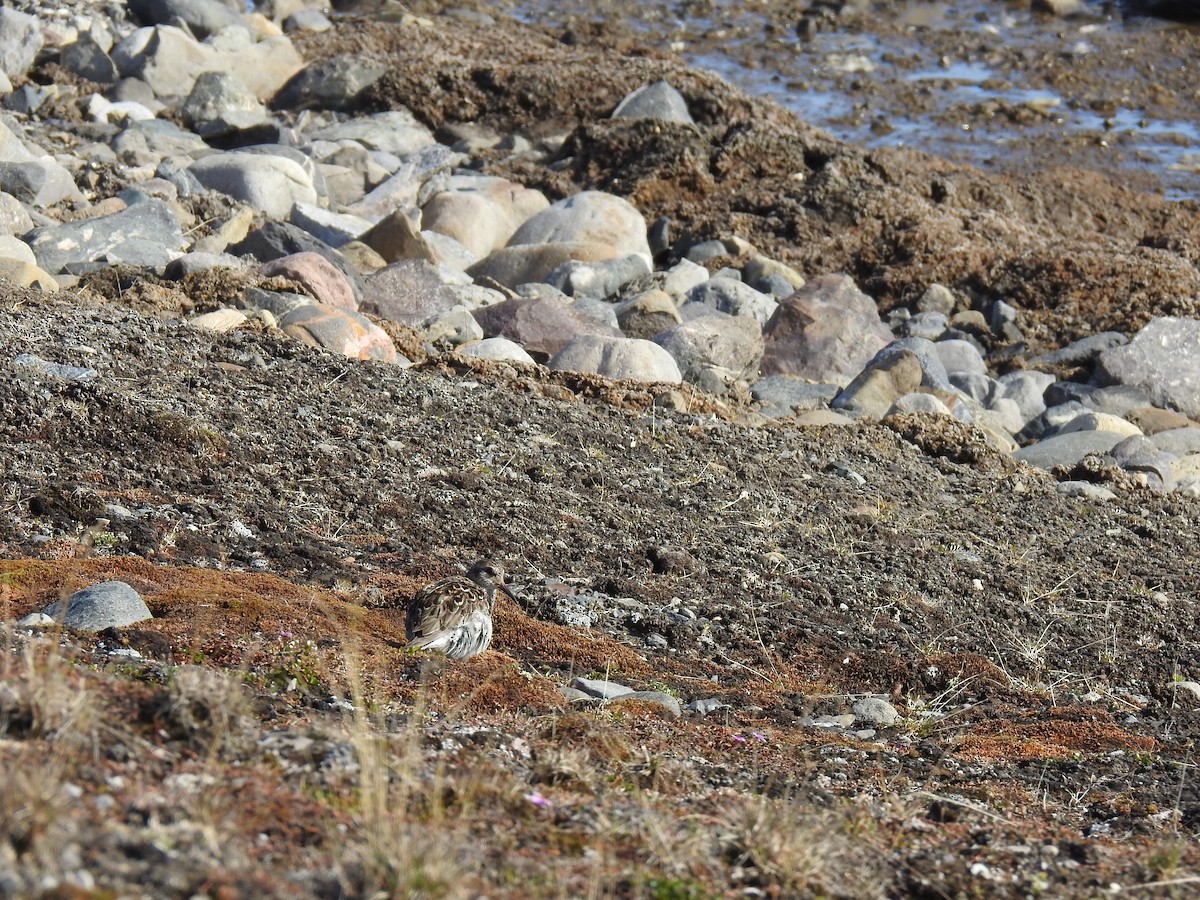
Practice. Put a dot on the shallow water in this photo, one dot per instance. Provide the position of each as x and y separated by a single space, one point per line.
984 81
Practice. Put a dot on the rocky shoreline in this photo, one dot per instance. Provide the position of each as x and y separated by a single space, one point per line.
861 464
370 213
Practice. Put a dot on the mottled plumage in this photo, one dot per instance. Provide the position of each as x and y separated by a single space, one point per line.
454 616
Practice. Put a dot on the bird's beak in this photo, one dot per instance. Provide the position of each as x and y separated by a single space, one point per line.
504 587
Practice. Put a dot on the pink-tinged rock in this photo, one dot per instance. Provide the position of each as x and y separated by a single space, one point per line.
825 332
340 330
592 216
528 263
411 291
320 278
539 324
482 220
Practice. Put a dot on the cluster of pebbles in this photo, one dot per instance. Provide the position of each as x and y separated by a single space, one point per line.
342 220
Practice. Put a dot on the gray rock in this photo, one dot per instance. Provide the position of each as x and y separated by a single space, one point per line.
659 100
875 711
1179 441
335 83
334 229
1082 351
307 20
1139 455
87 59
1163 359
271 184
396 131
202 17
928 325
591 216
730 297
1027 389
149 142
496 348
146 233
405 186
782 395
220 104
983 389
933 372
410 291
455 326
35 175
618 358
20 41
825 332
168 60
54 370
604 690
714 350
1116 399
15 248
960 356
14 217
602 278
1067 449
109 604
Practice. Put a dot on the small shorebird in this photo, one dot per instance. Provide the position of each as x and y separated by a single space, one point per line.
454 616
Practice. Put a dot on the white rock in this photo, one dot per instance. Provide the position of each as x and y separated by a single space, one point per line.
272 184
621 358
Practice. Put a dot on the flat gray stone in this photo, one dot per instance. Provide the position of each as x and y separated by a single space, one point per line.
143 230
1068 449
109 604
595 687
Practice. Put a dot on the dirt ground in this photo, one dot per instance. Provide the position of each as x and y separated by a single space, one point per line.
277 506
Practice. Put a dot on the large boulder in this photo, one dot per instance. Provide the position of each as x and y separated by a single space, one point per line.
826 331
